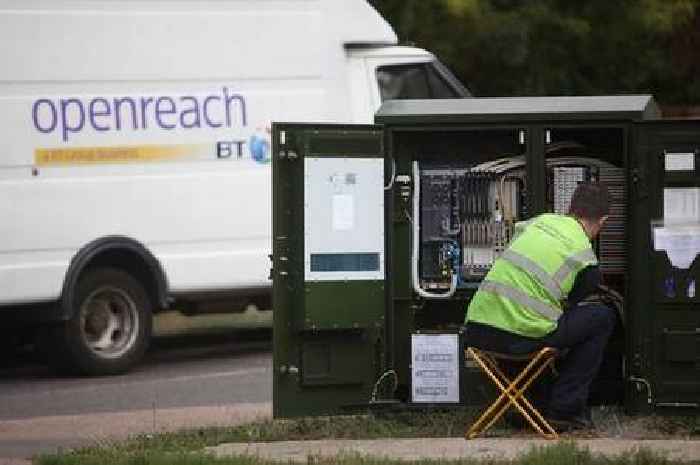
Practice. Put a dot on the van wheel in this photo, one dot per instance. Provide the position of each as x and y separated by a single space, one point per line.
110 328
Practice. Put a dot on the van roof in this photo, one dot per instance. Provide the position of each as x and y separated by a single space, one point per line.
606 107
393 51
148 40
354 21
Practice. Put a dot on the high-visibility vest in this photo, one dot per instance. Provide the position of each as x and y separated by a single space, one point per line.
524 290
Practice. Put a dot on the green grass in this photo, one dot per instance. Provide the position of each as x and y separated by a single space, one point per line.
148 449
569 453
397 425
185 447
556 454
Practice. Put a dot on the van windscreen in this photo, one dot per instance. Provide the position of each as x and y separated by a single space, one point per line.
418 81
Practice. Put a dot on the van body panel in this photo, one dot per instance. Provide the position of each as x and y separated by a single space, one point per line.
151 120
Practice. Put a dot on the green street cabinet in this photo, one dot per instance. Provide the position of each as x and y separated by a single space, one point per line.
382 233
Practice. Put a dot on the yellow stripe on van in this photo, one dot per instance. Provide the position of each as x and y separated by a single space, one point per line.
116 154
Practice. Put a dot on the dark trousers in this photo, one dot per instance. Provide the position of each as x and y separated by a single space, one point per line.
582 332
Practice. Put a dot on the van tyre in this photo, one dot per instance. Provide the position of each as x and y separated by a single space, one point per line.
110 327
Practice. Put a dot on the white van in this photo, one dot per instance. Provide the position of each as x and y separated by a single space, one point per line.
134 162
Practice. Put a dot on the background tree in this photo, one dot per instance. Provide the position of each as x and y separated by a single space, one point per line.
560 47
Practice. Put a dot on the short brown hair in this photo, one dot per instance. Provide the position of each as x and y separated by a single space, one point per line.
590 201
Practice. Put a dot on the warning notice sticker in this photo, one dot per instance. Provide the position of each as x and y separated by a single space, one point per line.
435 368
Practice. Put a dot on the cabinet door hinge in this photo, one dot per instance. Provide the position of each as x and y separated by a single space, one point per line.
639 182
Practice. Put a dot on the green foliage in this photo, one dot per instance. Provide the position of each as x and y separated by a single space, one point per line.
559 47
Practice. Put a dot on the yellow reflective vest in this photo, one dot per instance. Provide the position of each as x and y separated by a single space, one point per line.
524 290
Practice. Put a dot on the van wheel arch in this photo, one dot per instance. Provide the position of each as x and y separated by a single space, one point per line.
112 287
110 329
119 252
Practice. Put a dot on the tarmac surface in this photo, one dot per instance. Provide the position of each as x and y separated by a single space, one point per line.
62 432
212 378
447 448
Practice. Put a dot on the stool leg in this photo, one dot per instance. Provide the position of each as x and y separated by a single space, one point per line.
512 395
505 392
551 433
515 395
476 428
504 400
527 409
545 363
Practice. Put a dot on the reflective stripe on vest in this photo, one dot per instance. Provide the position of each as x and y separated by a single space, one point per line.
522 298
526 264
573 263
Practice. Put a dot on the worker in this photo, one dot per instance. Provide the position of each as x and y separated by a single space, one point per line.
531 298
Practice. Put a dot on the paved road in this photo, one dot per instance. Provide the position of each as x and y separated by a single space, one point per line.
184 381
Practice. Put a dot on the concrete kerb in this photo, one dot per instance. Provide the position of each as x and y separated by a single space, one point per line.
446 448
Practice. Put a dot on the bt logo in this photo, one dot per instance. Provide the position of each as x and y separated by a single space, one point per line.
258 146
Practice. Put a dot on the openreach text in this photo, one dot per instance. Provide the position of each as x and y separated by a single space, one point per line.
72 115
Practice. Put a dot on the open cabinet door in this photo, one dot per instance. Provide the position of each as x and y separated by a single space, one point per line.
328 266
664 310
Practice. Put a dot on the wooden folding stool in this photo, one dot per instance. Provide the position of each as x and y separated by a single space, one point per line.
512 391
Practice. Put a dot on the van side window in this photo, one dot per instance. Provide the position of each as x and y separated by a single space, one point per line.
403 82
413 81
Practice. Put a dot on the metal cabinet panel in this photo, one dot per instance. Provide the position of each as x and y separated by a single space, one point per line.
667 236
328 273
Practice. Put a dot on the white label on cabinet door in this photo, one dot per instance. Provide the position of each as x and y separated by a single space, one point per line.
681 243
681 205
680 161
343 212
435 367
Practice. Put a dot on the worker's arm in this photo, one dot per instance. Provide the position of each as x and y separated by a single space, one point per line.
585 284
